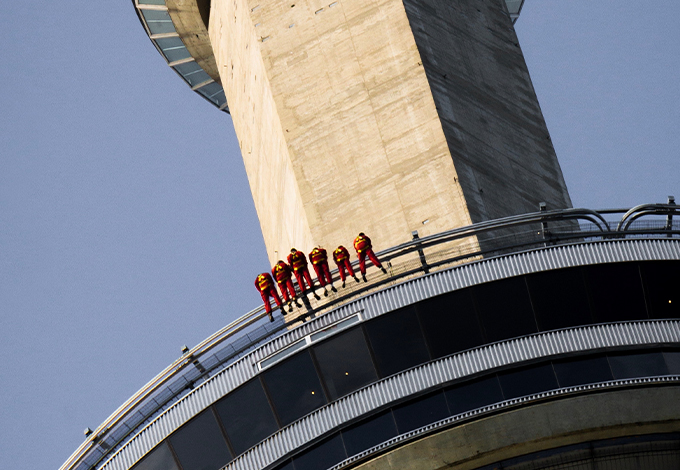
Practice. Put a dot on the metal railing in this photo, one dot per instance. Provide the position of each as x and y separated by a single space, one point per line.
414 258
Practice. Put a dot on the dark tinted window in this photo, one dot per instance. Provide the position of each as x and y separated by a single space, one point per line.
286 466
534 379
159 459
582 371
472 395
672 362
505 309
616 292
322 456
200 445
559 298
345 363
397 341
450 323
246 416
369 433
420 412
294 387
637 365
662 286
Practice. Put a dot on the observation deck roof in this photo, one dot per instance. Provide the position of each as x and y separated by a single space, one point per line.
178 30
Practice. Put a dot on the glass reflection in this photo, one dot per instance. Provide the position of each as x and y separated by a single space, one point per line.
660 279
369 433
246 416
294 387
450 323
158 459
523 382
589 370
322 456
474 394
421 412
345 363
159 22
628 366
505 309
200 444
616 292
397 341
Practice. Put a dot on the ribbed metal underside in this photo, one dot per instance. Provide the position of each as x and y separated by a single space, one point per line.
382 302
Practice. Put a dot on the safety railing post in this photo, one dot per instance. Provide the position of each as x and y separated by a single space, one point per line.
669 218
421 253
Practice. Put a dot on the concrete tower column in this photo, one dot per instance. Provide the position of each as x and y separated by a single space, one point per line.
381 116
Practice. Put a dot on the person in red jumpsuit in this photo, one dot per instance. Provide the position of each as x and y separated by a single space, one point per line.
319 259
298 261
363 246
265 285
283 276
341 258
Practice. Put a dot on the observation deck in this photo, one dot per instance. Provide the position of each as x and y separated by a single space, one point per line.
563 312
179 31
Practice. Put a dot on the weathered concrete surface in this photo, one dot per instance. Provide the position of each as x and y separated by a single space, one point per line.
488 108
344 126
255 115
540 427
186 17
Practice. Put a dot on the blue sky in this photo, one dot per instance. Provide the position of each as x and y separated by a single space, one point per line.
127 228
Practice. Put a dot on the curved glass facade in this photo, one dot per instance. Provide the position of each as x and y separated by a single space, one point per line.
431 329
154 16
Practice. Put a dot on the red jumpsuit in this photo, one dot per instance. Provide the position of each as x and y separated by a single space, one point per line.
298 261
363 246
341 258
265 285
282 273
319 260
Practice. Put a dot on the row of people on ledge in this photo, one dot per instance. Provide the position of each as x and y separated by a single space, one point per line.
297 265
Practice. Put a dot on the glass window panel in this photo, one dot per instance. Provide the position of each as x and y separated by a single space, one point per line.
662 288
626 366
534 379
159 459
474 394
294 387
220 98
173 49
200 445
246 416
322 456
616 292
151 2
369 433
672 362
159 22
345 363
192 73
397 341
418 413
286 466
505 309
450 323
559 298
210 90
587 370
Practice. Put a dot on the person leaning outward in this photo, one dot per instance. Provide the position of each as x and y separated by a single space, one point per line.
298 261
282 274
341 258
319 259
363 246
265 284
